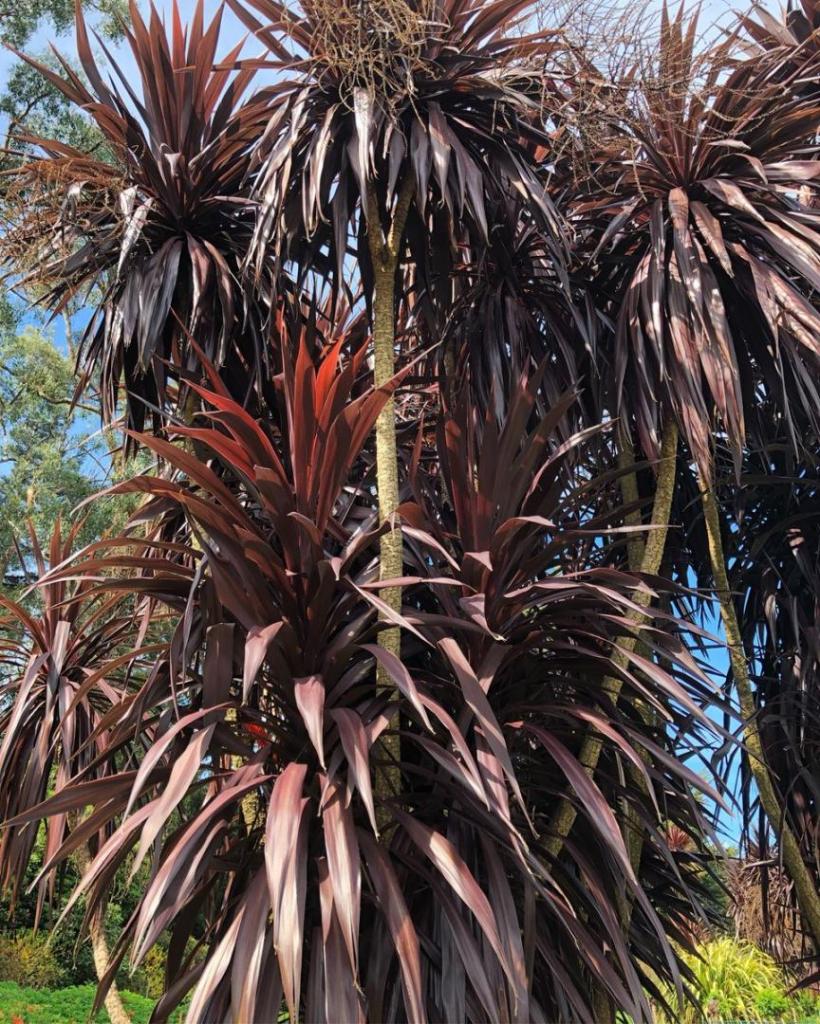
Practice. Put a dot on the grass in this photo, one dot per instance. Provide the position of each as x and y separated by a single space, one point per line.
63 1006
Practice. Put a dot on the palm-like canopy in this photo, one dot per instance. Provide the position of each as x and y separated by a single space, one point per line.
63 668
707 247
154 230
512 307
389 105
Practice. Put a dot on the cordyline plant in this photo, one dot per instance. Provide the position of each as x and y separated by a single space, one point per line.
707 253
776 577
394 128
417 747
155 231
438 900
62 669
793 37
512 306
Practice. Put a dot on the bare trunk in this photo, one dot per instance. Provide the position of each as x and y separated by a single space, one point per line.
638 558
387 470
808 898
631 826
385 254
99 948
565 814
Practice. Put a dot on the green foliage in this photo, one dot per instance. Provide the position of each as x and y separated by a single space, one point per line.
26 100
65 1006
808 1005
69 951
22 20
27 958
731 975
773 1004
51 453
736 981
44 459
149 979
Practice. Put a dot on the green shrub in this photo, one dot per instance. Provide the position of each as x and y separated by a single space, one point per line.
772 1004
149 978
734 974
736 981
28 959
729 975
20 1005
808 1006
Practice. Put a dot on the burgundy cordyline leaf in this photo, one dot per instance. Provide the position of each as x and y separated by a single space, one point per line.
355 744
446 859
791 42
309 694
296 878
344 867
161 226
703 258
341 997
399 922
285 853
182 775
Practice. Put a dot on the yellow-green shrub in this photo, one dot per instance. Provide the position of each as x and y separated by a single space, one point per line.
27 959
731 977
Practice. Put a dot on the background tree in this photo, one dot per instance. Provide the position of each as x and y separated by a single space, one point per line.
29 103
49 462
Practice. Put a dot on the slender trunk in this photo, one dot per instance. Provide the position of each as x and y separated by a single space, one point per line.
99 949
385 254
69 333
630 826
628 482
602 1006
808 898
592 745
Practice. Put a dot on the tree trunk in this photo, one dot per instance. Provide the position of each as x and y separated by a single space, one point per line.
808 898
631 825
99 948
646 557
387 470
565 814
385 254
